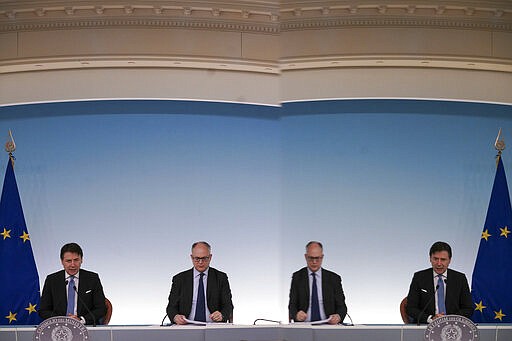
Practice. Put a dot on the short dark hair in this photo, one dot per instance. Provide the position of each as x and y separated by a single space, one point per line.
204 243
312 243
440 246
71 247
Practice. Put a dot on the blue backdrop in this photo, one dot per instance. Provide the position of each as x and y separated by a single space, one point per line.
136 182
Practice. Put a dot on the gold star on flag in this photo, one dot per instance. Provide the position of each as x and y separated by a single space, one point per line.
11 316
504 231
499 315
31 308
480 306
6 233
486 234
25 236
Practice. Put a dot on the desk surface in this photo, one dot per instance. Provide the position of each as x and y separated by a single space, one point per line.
288 332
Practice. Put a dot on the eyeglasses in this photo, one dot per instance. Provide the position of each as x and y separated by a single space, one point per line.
201 259
314 259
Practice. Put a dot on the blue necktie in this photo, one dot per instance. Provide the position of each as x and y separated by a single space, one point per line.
71 296
200 304
315 306
440 294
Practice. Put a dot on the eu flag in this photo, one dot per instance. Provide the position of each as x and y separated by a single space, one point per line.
19 281
492 275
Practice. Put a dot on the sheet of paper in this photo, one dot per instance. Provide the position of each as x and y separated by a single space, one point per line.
199 323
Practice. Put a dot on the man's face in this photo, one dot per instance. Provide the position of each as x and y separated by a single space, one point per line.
71 262
440 261
314 256
201 257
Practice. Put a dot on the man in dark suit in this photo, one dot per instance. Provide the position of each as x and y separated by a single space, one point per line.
201 293
316 293
73 292
438 291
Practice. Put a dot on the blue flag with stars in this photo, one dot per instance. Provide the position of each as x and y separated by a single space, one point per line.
492 275
19 281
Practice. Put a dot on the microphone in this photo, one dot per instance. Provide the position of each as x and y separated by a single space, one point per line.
428 303
162 324
266 320
348 324
86 307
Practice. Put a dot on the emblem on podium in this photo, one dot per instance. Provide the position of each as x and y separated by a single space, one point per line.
452 328
61 328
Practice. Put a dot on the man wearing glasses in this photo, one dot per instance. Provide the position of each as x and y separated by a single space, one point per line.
316 294
201 293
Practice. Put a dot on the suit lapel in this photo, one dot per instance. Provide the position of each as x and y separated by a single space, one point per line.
305 284
432 289
82 286
325 288
449 290
211 287
62 293
188 289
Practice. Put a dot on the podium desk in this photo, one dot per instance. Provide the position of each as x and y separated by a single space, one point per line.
274 332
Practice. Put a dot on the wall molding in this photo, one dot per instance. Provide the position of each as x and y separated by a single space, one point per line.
270 17
39 35
123 22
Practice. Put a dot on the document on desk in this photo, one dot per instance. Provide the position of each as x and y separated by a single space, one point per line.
320 322
314 323
198 323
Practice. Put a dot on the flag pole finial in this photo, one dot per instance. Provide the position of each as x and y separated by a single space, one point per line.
10 146
499 144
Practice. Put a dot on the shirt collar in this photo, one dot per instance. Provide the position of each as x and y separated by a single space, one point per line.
318 272
77 275
197 273
444 274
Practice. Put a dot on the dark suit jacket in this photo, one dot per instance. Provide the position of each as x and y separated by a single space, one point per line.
218 294
332 292
457 299
54 298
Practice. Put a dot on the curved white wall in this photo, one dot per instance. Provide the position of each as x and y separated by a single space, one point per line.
253 52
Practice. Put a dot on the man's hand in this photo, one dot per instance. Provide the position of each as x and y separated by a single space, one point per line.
301 316
334 319
74 317
437 316
179 319
216 316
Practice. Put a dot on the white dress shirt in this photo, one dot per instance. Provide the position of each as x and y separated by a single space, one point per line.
319 292
197 276
435 279
76 280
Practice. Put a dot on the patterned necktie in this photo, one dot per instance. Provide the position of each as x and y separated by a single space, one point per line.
200 304
71 296
440 295
315 306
